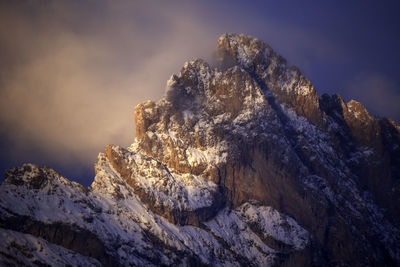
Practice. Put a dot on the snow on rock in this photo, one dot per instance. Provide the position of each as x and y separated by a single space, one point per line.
176 190
240 239
17 249
259 57
271 72
272 223
237 165
195 156
126 221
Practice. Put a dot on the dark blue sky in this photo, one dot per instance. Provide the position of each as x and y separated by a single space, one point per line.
71 72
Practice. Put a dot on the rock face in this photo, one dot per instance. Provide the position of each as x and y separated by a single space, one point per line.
237 165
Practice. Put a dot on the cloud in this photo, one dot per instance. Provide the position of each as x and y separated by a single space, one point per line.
377 92
72 71
69 89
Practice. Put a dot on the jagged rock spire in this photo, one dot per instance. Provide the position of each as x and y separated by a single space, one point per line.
240 165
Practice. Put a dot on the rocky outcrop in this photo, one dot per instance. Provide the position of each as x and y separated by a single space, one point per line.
272 162
68 236
286 83
242 164
179 213
360 132
35 177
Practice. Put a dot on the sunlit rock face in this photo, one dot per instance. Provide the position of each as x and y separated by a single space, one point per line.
238 165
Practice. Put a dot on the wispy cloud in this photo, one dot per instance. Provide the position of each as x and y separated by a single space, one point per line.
71 89
71 72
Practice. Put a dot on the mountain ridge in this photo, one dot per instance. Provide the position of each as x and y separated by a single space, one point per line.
237 165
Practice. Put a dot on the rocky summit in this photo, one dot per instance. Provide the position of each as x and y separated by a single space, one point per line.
241 164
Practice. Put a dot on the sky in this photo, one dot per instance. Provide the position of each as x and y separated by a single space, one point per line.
72 72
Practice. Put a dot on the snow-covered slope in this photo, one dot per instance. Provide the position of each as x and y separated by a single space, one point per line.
115 222
238 165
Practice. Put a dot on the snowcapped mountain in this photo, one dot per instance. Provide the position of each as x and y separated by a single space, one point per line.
239 165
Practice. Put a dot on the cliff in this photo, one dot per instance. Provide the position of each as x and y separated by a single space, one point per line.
243 164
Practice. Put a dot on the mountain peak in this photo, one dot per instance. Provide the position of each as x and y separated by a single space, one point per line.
36 177
244 49
270 70
237 165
